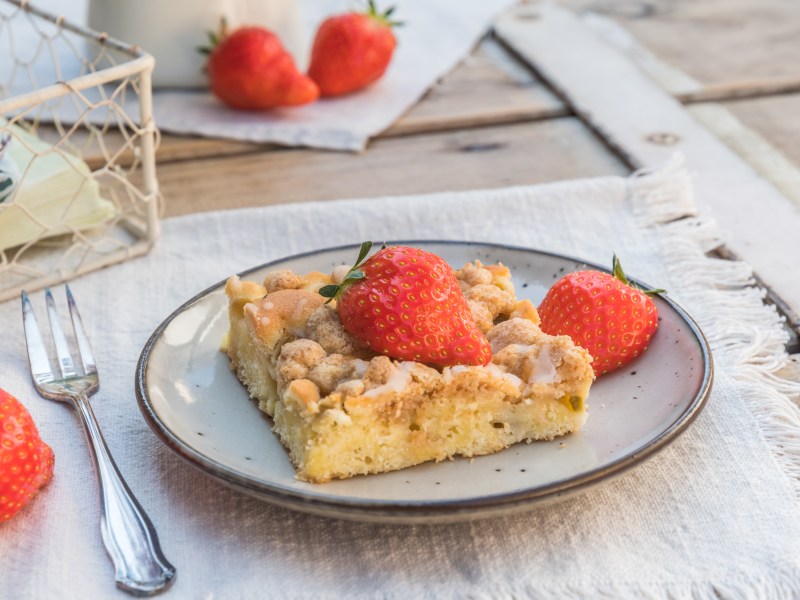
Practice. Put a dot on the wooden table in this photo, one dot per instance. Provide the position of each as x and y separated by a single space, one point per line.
510 115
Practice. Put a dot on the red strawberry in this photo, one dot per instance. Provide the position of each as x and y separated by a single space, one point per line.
249 69
26 462
603 314
352 50
406 303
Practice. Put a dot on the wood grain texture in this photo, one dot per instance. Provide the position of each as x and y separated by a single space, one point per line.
733 43
489 88
776 118
754 144
488 157
772 119
646 126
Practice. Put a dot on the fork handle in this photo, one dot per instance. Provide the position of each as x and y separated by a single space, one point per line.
128 533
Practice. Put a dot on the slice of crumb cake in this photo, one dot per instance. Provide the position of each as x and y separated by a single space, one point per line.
342 410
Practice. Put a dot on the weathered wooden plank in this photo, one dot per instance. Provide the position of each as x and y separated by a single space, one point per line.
729 46
678 82
179 147
487 157
754 146
489 88
776 118
646 126
742 88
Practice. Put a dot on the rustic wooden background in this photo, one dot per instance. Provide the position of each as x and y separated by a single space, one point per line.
492 122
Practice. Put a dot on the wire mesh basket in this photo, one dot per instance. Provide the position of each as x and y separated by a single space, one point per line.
78 188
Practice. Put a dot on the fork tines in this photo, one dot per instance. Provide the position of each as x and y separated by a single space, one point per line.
87 358
37 352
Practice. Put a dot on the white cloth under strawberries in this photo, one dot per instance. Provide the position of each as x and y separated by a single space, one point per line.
714 515
436 35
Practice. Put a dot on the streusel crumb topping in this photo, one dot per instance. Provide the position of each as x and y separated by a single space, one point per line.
325 366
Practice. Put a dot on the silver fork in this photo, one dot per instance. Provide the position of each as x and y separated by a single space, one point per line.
128 534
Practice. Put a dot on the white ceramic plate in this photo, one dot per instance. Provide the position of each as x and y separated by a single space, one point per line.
196 405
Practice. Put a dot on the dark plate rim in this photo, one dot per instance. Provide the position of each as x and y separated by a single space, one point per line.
409 509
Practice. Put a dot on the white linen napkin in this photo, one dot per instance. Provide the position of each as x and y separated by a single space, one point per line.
435 37
715 515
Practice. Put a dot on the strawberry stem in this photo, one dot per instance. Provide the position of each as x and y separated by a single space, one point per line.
382 17
215 37
620 274
333 291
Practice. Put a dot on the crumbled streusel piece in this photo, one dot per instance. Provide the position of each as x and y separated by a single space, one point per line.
513 331
297 359
425 375
325 328
330 371
283 280
378 371
525 309
474 274
497 301
481 314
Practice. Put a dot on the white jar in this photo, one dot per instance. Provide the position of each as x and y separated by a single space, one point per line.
172 30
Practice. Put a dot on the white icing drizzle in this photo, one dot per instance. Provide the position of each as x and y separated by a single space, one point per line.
544 369
499 372
295 322
397 382
359 367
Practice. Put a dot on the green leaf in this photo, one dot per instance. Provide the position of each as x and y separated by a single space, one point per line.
354 275
328 291
331 292
362 253
653 292
618 272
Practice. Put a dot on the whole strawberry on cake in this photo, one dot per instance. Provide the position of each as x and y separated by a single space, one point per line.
400 360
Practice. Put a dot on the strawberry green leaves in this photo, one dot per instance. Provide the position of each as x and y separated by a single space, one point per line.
620 274
333 291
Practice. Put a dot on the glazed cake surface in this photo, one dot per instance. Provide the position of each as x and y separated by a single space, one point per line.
341 410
